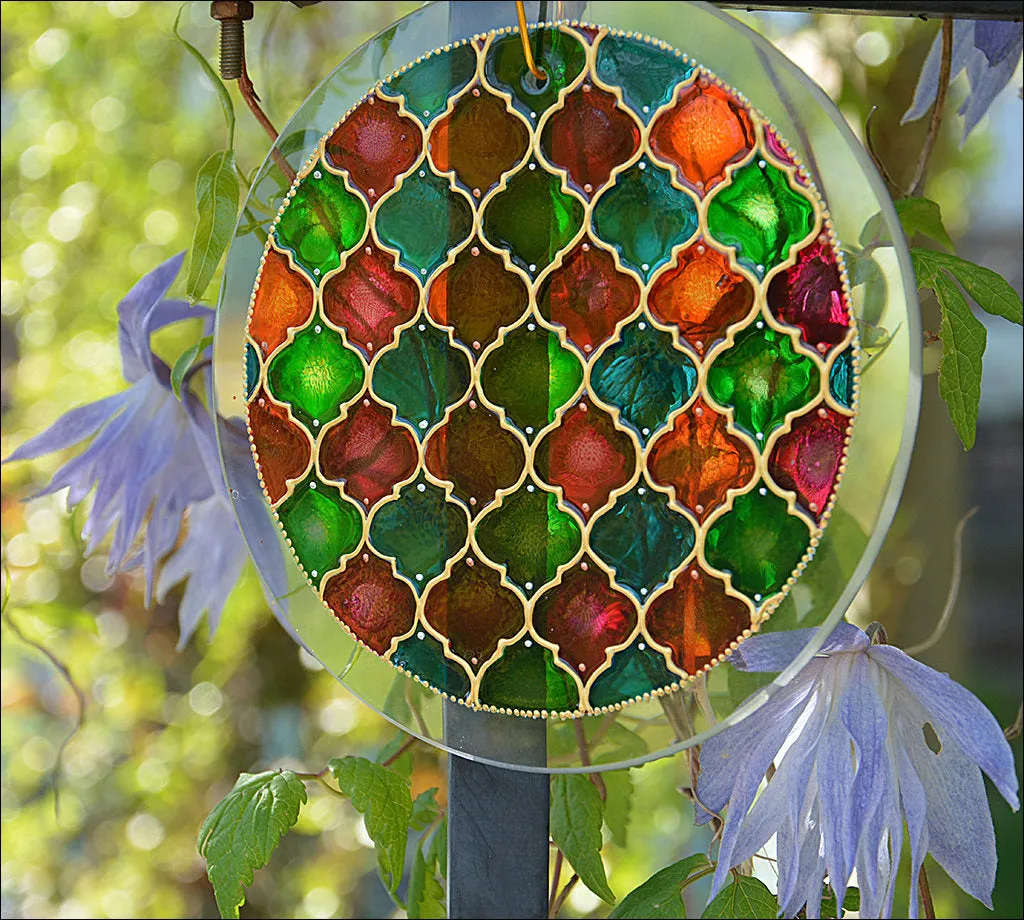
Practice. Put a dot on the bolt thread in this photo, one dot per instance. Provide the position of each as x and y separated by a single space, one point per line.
232 48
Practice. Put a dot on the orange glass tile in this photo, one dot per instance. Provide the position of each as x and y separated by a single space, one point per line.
284 301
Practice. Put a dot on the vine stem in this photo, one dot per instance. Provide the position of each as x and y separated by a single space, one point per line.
595 778
556 875
248 92
926 894
408 743
566 891
917 186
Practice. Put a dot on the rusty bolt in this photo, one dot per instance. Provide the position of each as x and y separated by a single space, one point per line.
231 14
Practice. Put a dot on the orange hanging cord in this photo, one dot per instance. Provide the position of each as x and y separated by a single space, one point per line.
524 34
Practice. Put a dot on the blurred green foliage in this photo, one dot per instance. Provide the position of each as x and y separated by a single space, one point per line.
106 121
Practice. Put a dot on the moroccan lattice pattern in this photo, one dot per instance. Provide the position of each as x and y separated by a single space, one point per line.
550 384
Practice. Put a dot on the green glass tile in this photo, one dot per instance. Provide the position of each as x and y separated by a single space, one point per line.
428 84
533 219
420 529
322 526
316 374
758 542
560 55
841 379
645 377
252 370
322 220
526 677
647 74
762 378
643 539
530 535
422 376
531 376
424 220
424 656
761 214
644 216
634 671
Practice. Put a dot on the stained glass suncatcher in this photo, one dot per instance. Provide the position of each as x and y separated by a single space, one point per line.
550 386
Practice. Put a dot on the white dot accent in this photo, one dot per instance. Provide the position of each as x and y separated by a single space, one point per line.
760 268
760 325
760 436
422 327
315 573
529 430
424 424
531 326
645 266
318 328
761 164
528 586
533 166
646 109
423 173
316 423
642 646
420 487
533 114
643 591
641 491
757 597
419 577
641 325
426 111
531 488
645 431
533 266
312 485
316 271
421 635
643 164
423 271
762 491
316 174
528 643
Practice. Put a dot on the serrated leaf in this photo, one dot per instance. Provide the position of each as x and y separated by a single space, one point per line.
217 204
426 894
424 809
577 814
661 896
185 361
244 829
990 290
746 897
383 798
223 95
618 803
963 344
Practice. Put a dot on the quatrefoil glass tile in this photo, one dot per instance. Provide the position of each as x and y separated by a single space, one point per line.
550 384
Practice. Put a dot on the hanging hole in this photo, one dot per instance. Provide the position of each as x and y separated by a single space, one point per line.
532 84
931 738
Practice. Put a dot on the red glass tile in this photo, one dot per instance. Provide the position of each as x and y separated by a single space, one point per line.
369 298
367 452
696 619
370 601
776 147
474 610
479 140
701 295
587 456
376 144
284 300
806 460
700 460
476 296
588 295
584 616
702 133
589 136
472 451
281 445
809 295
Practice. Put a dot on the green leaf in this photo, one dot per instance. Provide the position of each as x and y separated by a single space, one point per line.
382 797
851 903
917 215
222 91
661 896
439 848
244 829
989 290
185 361
746 897
426 894
424 809
577 813
618 803
963 345
217 203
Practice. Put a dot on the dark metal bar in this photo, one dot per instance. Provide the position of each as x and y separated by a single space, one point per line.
929 9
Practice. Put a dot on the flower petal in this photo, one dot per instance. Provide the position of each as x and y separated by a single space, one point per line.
915 810
960 713
928 83
960 834
133 312
773 652
999 40
73 426
986 83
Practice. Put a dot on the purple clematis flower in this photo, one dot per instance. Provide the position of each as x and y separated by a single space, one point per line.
988 50
153 458
863 739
